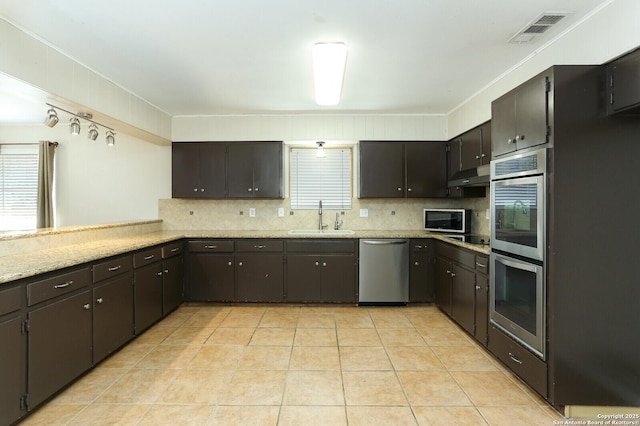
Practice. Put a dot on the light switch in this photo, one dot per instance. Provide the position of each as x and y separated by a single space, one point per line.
280 212
364 212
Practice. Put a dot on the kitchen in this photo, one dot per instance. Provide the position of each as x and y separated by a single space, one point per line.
291 127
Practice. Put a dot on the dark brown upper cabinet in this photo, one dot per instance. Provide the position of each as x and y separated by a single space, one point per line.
198 170
519 118
255 169
402 169
466 152
623 84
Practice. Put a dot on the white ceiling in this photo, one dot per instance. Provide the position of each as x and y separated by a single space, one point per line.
254 56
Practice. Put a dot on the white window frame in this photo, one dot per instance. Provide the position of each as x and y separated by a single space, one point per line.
18 186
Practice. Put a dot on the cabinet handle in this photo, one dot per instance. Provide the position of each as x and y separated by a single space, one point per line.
211 247
480 265
417 263
202 190
195 189
453 275
256 189
324 263
510 141
419 247
519 137
239 263
151 256
259 246
514 358
478 287
86 306
250 189
166 271
230 263
399 189
63 285
317 263
160 273
115 268
477 157
99 300
408 189
483 155
448 272
175 249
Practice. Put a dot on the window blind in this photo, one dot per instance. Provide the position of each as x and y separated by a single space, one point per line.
314 179
18 186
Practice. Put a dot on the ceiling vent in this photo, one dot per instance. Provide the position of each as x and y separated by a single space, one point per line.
537 27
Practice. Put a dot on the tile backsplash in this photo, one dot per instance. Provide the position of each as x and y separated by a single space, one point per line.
383 214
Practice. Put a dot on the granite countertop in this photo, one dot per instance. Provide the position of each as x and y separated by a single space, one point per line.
15 267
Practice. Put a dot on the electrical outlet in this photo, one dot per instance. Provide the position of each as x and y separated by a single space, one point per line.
280 212
252 212
364 212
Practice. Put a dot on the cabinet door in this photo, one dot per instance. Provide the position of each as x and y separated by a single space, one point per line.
471 154
240 171
426 169
485 156
531 113
148 296
443 284
185 170
482 308
112 316
454 165
59 343
338 278
623 83
382 170
213 171
503 125
303 278
12 373
260 277
211 278
463 297
421 277
267 170
172 283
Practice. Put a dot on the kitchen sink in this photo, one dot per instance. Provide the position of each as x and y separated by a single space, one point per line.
321 232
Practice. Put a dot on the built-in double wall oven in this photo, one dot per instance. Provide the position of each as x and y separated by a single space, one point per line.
518 239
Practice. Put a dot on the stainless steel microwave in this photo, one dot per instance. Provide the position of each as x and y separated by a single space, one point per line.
447 220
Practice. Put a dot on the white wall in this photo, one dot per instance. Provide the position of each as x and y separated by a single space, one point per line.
97 184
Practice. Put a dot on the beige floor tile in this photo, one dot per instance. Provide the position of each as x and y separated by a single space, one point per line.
316 320
315 337
176 319
373 388
281 320
196 387
380 416
245 416
241 319
249 308
420 319
433 388
188 336
314 388
491 388
169 356
358 337
359 358
353 320
206 319
89 387
111 414
231 336
444 336
155 335
138 387
256 387
390 320
273 337
315 358
216 357
53 414
176 415
265 358
507 416
401 337
418 358
442 321
464 358
467 416
128 356
312 416
318 309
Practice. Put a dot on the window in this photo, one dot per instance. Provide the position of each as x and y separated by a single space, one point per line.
314 179
18 186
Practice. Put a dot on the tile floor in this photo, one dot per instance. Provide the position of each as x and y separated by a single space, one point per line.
299 365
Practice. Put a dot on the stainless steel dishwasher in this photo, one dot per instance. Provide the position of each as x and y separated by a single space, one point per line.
384 272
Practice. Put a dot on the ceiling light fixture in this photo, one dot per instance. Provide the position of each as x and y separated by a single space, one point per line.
75 124
52 118
320 152
329 60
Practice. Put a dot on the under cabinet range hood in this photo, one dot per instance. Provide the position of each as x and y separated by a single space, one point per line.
478 176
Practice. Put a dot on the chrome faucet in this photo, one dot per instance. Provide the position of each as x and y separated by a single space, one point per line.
320 225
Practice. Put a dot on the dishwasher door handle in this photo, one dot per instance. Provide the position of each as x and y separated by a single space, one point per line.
384 243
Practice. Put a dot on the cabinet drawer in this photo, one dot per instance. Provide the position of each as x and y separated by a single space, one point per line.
9 300
482 264
321 246
211 246
267 246
111 268
457 254
421 244
526 365
146 257
57 285
172 249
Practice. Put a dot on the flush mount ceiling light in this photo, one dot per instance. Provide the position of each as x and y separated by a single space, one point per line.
329 60
320 153
93 132
74 127
52 118
110 139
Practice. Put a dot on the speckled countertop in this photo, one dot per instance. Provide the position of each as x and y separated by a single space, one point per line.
15 267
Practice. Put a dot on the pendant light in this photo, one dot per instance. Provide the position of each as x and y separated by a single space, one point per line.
52 118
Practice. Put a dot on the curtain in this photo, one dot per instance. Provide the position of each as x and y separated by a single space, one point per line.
45 185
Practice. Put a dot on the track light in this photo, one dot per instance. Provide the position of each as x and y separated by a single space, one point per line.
52 118
74 127
93 132
111 140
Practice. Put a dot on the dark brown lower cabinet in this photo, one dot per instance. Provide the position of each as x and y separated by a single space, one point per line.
463 291
482 299
12 371
211 277
260 277
421 271
112 315
321 278
172 283
443 284
147 296
60 345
